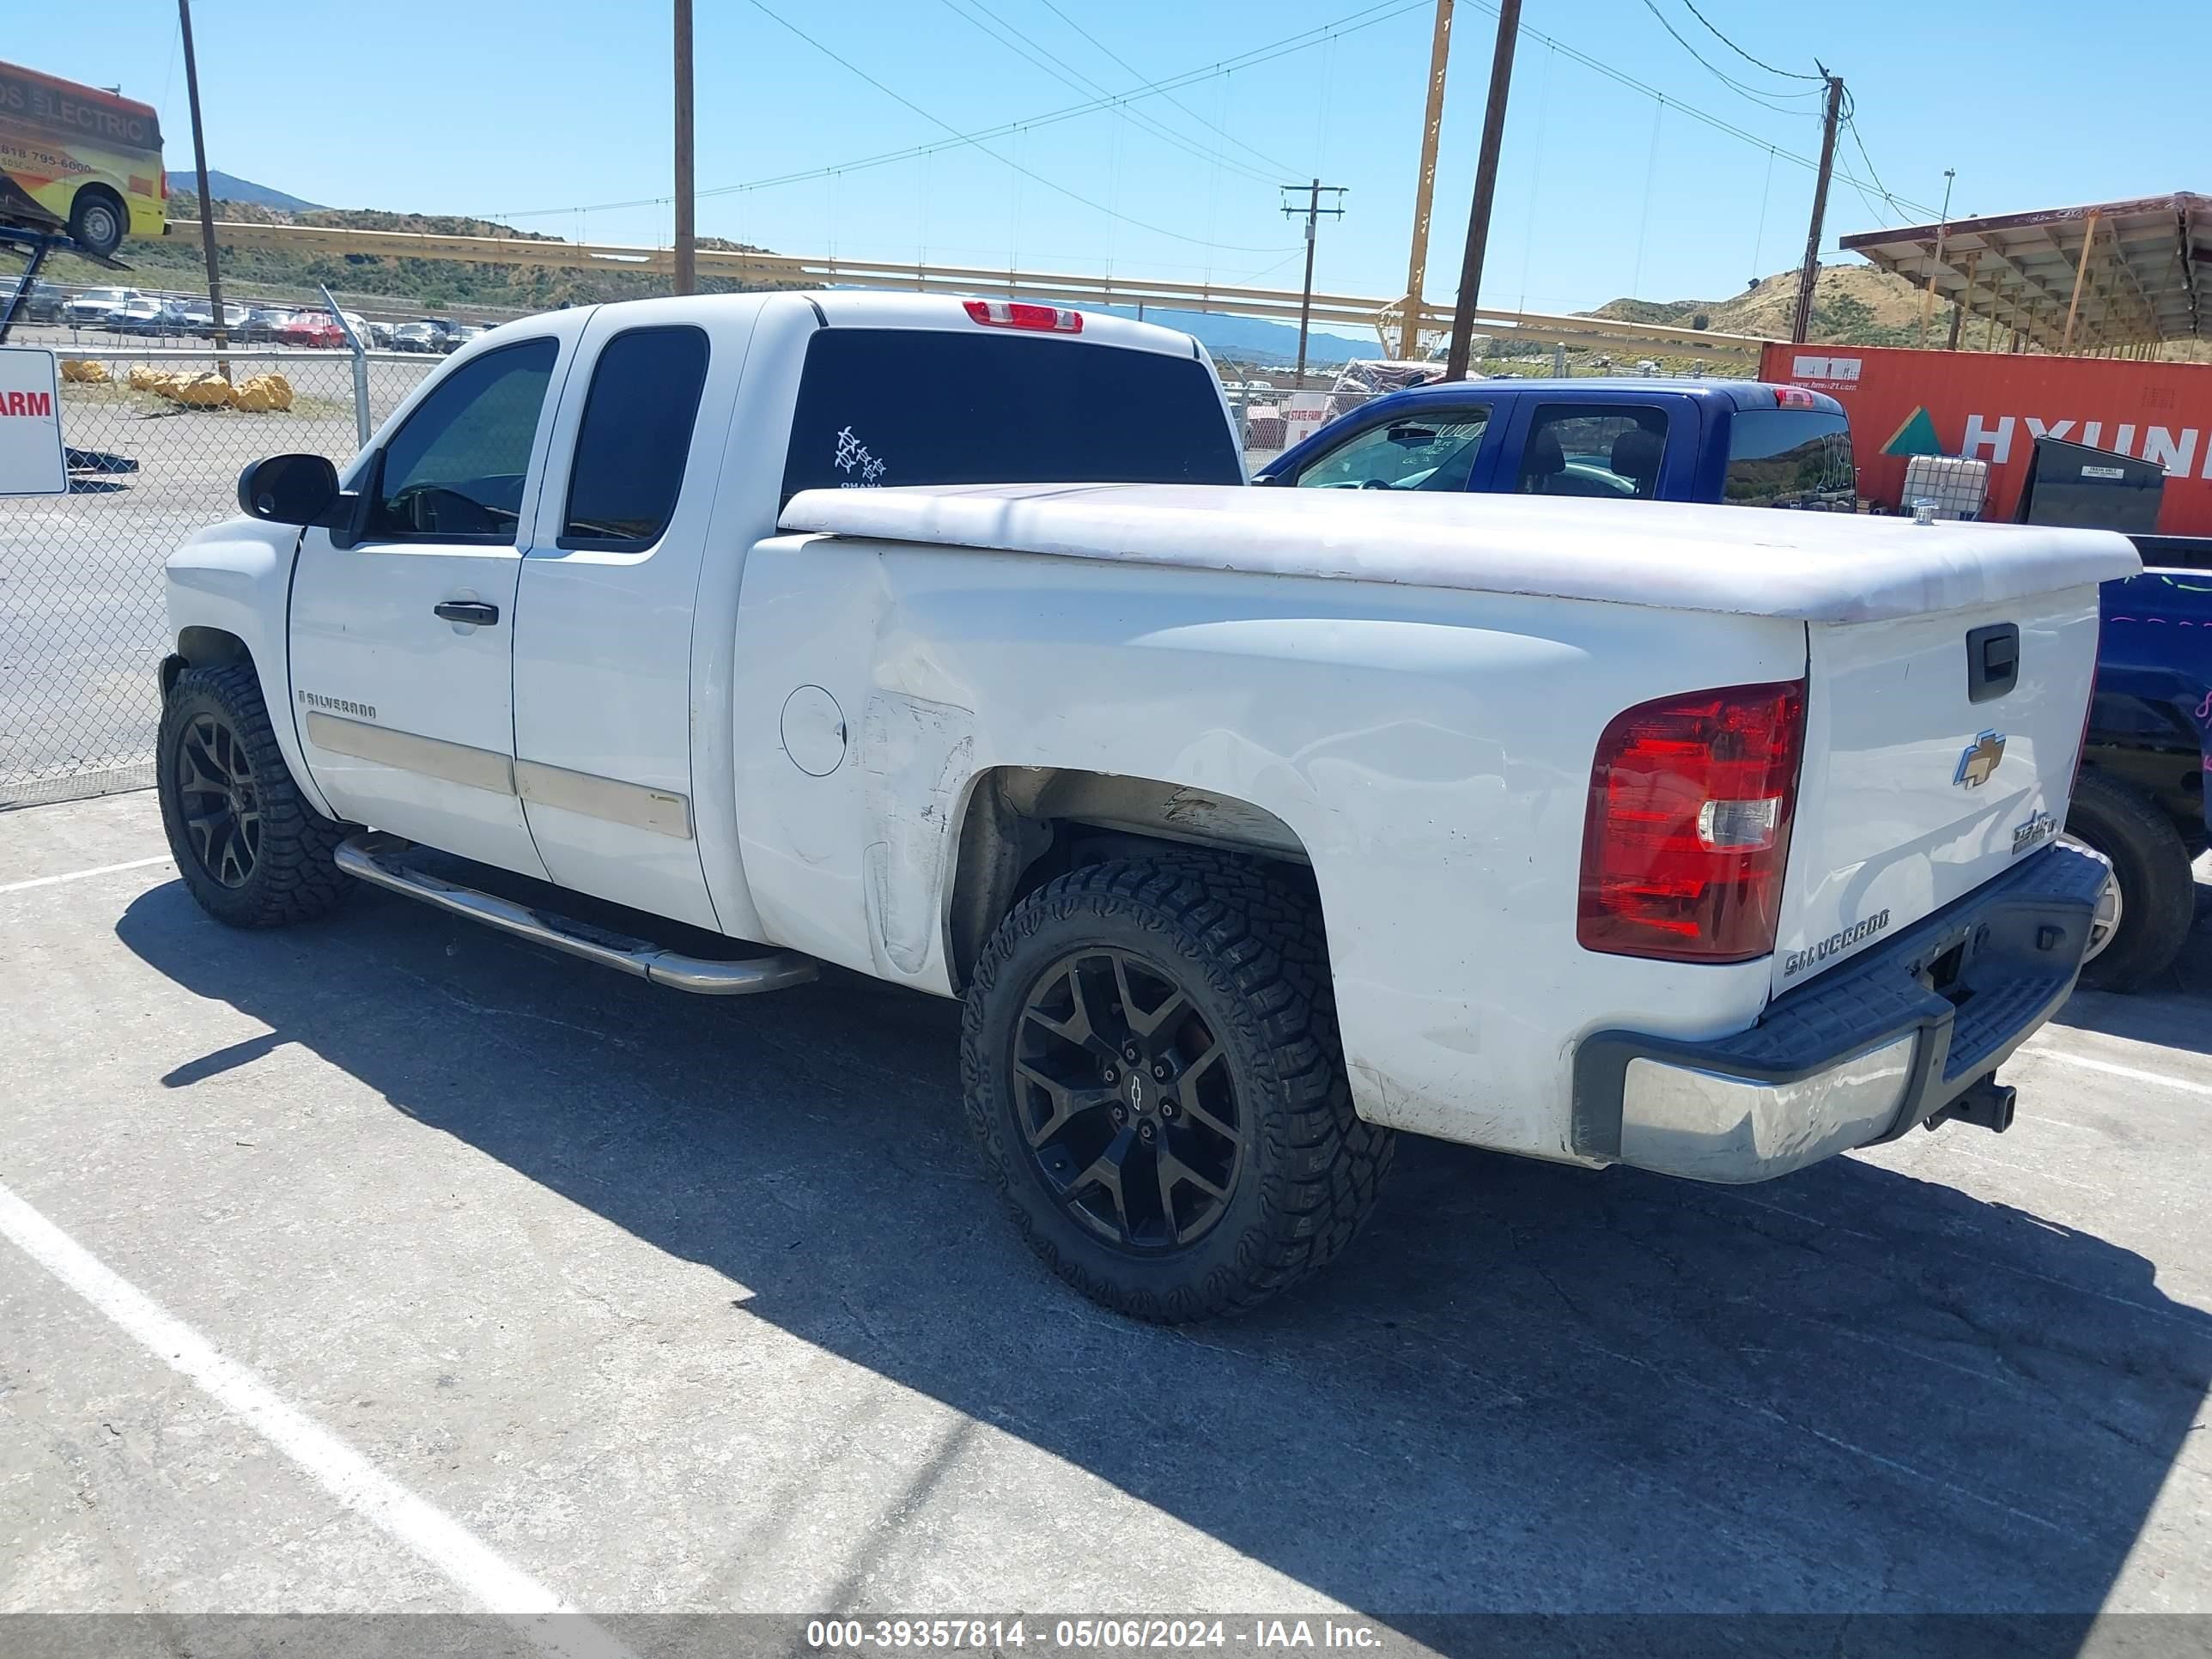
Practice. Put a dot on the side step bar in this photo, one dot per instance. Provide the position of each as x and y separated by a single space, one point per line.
372 856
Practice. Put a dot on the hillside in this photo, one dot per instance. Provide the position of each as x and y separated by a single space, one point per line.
1852 305
229 187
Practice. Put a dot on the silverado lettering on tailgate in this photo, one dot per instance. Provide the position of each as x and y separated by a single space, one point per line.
1797 961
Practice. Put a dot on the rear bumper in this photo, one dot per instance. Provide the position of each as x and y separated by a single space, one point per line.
1905 1032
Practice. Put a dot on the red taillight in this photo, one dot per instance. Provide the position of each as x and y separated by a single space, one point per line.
1690 805
1792 397
1013 313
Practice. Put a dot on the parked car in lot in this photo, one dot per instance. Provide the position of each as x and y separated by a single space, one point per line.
149 314
198 317
315 329
1249 826
262 324
89 308
418 337
42 304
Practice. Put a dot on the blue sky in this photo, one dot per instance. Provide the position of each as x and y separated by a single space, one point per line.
501 108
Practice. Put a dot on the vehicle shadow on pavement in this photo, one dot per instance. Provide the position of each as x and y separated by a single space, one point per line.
1526 1386
2172 1009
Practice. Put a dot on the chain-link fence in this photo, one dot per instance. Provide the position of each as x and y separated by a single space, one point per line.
156 439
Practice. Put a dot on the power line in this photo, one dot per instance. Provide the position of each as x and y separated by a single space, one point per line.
1706 118
1067 75
1787 75
851 67
1723 77
1352 23
1262 155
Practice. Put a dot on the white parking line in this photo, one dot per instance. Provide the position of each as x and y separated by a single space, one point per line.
497 1584
2133 1073
81 875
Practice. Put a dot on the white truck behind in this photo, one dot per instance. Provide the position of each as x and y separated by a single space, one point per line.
1249 826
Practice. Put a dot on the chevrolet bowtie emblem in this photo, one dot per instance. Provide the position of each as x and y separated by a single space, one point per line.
1978 764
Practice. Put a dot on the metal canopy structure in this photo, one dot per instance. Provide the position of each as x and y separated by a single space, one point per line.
2117 275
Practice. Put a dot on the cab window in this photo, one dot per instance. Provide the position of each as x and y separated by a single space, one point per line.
455 471
634 438
1435 451
1610 452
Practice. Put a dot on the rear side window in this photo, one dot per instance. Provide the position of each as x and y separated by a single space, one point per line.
1790 457
1610 452
894 406
635 437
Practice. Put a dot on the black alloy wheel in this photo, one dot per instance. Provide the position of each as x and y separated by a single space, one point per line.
219 800
1128 1106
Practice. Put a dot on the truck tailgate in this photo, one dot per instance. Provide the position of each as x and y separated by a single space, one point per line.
1926 774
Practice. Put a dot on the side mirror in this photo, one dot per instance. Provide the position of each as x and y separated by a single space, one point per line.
289 488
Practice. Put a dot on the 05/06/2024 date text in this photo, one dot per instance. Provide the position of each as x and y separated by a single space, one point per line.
1124 1634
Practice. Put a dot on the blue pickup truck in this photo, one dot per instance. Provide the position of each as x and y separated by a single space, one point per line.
1740 442
2140 801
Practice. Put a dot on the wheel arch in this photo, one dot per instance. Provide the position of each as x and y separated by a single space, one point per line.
1020 826
203 647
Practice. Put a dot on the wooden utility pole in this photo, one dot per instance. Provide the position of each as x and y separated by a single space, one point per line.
1313 209
199 165
1809 274
1485 189
1959 310
1424 186
1936 275
2081 275
687 239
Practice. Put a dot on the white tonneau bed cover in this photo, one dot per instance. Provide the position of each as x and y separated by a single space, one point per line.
1819 567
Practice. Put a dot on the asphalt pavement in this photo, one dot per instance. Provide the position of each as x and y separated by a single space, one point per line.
388 1264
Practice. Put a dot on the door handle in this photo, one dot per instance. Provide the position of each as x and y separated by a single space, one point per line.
474 611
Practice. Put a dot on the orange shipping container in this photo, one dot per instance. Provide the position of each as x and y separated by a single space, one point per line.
1993 406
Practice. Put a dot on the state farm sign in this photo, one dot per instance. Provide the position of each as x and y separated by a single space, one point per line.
30 423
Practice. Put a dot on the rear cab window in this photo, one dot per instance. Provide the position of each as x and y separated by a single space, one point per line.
880 407
1797 458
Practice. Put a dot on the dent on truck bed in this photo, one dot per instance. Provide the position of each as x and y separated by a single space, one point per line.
916 756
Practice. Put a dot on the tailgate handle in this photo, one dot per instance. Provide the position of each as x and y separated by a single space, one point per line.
1992 661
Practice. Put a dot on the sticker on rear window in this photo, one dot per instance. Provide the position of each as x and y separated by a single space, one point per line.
852 457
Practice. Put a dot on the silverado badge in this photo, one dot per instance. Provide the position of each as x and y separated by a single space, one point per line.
1978 764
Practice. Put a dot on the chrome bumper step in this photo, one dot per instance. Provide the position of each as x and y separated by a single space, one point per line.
373 857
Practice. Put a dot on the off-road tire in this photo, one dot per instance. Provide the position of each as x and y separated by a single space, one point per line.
2158 891
293 878
1247 947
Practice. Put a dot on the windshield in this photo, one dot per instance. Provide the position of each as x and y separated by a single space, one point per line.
914 406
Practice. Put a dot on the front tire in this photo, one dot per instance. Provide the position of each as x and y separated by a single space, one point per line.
1154 1080
2157 897
249 846
97 221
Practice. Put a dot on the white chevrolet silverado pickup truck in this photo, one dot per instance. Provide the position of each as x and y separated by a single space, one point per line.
1250 826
